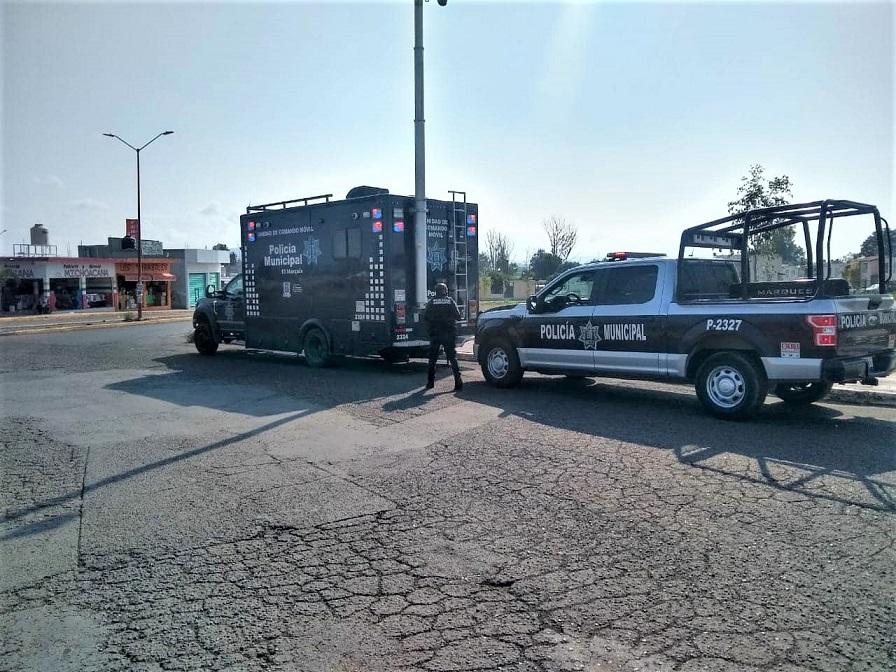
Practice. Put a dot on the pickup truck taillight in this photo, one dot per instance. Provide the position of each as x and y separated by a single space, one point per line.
824 329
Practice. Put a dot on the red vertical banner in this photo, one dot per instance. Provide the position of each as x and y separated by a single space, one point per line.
130 227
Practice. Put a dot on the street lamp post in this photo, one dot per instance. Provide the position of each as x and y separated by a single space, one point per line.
139 220
419 158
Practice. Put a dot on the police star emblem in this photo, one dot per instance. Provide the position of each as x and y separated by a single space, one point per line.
312 250
589 334
436 257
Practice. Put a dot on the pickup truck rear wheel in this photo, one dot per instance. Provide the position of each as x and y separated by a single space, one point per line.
204 338
316 349
731 385
501 364
801 394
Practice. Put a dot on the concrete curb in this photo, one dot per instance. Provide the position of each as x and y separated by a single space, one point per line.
91 325
859 397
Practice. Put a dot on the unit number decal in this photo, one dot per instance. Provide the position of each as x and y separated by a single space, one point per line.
722 324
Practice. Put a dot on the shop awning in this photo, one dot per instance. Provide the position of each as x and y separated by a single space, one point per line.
150 277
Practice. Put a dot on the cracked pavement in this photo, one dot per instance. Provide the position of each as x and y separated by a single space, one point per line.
166 511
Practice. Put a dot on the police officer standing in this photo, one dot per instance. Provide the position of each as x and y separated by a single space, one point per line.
441 319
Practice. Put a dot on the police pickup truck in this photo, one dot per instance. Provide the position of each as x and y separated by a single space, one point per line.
701 319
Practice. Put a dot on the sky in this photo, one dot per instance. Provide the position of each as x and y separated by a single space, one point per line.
632 120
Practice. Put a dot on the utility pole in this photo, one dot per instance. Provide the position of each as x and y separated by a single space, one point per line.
419 160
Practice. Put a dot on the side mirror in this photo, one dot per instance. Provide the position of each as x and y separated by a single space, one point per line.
210 291
532 304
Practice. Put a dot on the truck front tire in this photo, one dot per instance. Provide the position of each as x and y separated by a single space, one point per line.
204 338
802 394
730 385
316 349
501 364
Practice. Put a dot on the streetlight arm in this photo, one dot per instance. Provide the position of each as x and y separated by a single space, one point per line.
112 135
155 138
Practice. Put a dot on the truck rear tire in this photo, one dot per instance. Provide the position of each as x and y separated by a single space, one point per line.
802 394
731 385
316 349
204 338
501 364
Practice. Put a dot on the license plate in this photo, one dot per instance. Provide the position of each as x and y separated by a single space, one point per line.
891 342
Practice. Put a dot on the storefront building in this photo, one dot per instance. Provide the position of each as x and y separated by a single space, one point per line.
71 283
194 270
157 279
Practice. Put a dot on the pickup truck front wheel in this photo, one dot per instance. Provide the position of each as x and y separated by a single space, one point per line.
204 338
731 386
802 394
501 364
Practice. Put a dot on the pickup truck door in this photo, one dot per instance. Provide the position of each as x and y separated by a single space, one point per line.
627 311
230 310
559 335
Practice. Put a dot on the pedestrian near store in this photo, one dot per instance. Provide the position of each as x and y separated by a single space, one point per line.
441 319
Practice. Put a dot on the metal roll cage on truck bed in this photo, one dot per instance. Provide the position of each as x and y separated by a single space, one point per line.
716 322
734 232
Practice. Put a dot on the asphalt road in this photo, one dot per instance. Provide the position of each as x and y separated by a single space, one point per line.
167 511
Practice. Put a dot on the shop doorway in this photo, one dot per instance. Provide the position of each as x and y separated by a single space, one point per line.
196 284
19 295
67 292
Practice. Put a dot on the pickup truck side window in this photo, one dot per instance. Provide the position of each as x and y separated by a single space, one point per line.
234 288
628 285
704 279
576 290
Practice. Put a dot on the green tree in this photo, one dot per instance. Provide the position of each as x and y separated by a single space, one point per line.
869 245
756 191
544 265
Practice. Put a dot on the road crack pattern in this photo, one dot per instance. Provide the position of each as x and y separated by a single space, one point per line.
515 548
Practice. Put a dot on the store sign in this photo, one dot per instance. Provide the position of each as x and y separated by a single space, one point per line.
55 270
83 271
130 227
19 269
149 268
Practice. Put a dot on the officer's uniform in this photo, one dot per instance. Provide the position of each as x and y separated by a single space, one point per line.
441 318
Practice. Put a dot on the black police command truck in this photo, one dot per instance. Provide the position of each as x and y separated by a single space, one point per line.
704 320
331 278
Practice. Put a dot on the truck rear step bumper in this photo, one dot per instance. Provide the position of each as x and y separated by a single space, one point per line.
843 369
